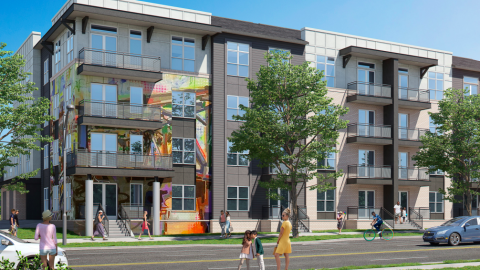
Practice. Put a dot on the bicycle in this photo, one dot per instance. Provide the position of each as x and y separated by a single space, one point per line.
370 234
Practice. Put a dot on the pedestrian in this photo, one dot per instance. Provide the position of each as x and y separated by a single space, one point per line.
16 219
47 233
99 229
258 250
404 214
397 209
222 221
145 226
13 226
247 250
283 243
340 221
227 226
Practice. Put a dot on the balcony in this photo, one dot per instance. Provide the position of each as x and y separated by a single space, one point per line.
369 175
413 176
83 162
369 134
411 98
410 137
369 93
110 114
114 64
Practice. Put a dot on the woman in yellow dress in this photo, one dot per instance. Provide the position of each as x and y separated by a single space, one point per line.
283 243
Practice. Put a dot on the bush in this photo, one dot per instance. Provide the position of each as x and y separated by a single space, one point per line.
25 263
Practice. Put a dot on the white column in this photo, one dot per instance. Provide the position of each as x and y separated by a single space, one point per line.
88 207
156 208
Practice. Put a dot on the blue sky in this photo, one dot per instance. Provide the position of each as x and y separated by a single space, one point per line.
439 24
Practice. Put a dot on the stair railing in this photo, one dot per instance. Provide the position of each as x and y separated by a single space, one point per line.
385 215
124 221
105 221
304 219
415 218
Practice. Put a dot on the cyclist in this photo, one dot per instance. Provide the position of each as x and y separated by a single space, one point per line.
377 222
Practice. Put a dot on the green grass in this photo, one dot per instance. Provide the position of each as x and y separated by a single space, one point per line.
229 241
29 233
353 230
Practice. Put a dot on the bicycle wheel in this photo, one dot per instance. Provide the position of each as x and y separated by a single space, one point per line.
369 235
387 234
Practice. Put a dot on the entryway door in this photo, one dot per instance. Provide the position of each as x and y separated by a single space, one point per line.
104 50
276 204
366 203
104 148
105 194
366 79
366 120
403 198
104 100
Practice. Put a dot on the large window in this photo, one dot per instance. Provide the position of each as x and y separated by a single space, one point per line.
183 104
237 199
271 50
471 84
56 202
136 194
55 153
233 106
58 56
183 197
236 158
68 94
183 151
326 201
68 192
69 47
45 199
327 64
328 163
46 154
436 202
432 126
46 79
183 54
238 59
435 85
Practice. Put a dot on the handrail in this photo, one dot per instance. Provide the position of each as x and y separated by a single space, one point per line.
104 223
415 218
369 130
413 94
369 171
120 110
409 134
384 213
413 174
124 221
369 89
366 211
304 220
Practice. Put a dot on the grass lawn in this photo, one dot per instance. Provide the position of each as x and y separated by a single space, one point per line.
219 241
29 233
353 230
406 264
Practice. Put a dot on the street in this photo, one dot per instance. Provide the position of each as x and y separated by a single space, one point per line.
319 254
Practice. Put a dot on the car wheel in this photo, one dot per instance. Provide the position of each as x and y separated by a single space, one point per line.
434 244
454 239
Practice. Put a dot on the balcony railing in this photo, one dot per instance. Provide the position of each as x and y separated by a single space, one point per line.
361 212
413 174
411 134
367 130
370 172
116 59
100 108
108 159
369 89
412 94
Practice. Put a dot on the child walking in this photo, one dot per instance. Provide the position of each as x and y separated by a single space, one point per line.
247 250
145 226
258 250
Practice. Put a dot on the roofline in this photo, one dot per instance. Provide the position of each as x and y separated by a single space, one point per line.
248 34
25 41
372 39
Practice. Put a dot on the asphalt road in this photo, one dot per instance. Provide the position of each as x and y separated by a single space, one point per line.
328 254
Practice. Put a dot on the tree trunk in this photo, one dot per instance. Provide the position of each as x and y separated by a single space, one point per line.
468 205
294 210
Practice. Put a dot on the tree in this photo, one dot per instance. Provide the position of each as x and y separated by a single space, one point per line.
21 115
455 146
290 125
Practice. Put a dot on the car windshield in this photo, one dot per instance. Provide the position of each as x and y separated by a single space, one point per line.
12 237
453 222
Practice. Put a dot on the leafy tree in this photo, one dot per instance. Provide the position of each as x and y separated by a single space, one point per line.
455 147
21 115
290 125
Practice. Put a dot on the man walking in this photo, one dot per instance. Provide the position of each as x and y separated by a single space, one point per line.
222 222
398 213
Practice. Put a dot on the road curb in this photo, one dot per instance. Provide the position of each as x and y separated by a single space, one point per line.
433 266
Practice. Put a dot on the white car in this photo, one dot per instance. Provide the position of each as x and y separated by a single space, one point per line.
10 244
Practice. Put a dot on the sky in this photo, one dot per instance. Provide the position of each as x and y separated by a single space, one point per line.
439 24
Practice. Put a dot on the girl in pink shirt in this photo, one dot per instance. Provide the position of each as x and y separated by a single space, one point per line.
48 240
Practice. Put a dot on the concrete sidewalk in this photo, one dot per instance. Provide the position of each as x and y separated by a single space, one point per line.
434 266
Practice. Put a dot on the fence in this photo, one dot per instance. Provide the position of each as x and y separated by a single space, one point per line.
99 57
365 171
368 130
100 108
84 158
412 94
369 89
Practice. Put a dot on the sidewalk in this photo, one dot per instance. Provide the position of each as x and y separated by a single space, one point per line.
434 266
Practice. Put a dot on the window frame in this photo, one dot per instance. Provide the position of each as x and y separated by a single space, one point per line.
46 70
46 156
325 162
469 84
183 197
141 194
46 200
27 162
184 105
183 151
55 153
436 202
69 44
238 59
183 52
326 64
58 55
237 108
325 200
436 84
56 199
238 156
238 198
104 31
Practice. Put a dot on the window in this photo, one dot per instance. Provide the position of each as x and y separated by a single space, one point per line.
327 64
183 104
437 172
56 106
235 158
45 199
56 202
55 152
233 106
68 144
46 122
19 165
27 162
68 94
68 192
136 194
136 148
366 65
46 154
58 56
435 85
436 202
471 84
432 126
328 163
472 222
237 59
135 49
69 47
183 197
326 201
183 151
183 54
104 29
237 199
280 50
46 79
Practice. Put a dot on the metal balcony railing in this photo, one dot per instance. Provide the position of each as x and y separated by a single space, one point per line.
361 212
369 89
368 130
413 174
109 159
413 94
91 56
100 108
370 172
411 134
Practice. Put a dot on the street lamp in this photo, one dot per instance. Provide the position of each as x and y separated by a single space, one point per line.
67 110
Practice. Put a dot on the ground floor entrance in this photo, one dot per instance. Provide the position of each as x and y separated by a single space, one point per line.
106 195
